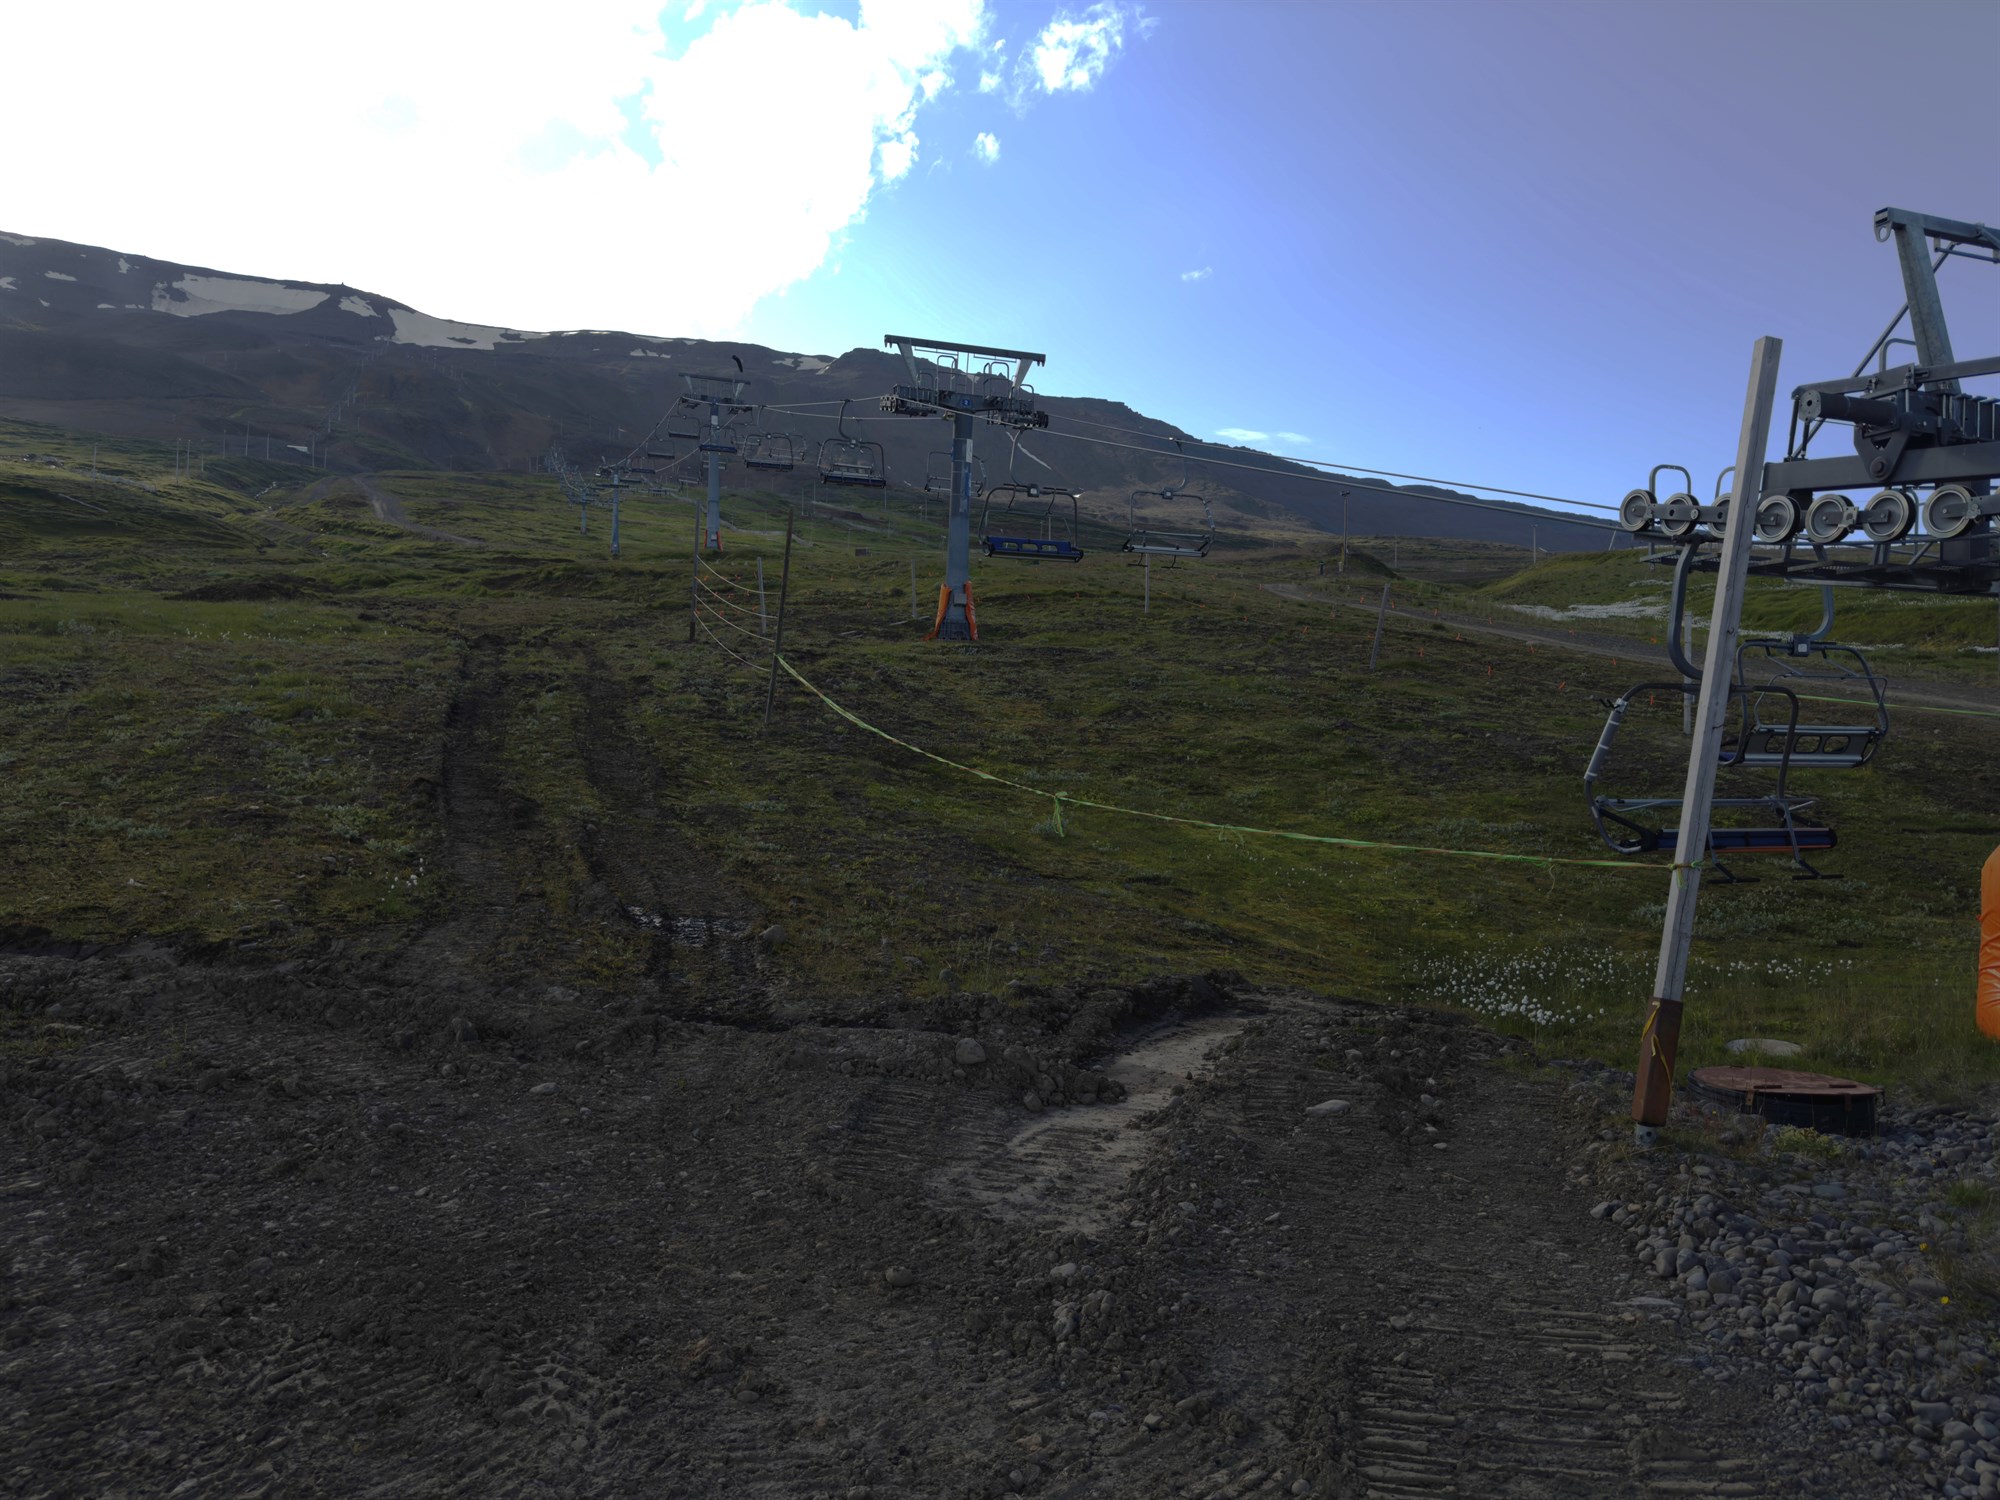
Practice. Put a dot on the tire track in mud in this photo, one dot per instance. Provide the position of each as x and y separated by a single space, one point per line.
650 873
466 1271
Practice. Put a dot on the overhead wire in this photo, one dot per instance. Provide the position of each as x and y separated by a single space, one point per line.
1466 501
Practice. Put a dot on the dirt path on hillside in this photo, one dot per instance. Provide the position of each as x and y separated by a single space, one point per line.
1102 1243
387 507
1620 648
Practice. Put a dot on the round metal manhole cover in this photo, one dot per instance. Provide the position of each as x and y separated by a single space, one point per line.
1787 1096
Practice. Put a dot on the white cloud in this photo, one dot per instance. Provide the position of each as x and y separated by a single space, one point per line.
988 82
1202 275
456 126
1244 435
986 146
1073 52
1292 439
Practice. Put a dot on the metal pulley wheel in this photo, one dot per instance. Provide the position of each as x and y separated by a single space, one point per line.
1680 515
1950 510
1889 515
1636 510
1830 518
1778 518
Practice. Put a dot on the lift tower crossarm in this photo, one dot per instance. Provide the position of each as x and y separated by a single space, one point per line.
1911 231
908 346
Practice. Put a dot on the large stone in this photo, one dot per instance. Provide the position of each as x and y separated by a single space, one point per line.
968 1053
1329 1107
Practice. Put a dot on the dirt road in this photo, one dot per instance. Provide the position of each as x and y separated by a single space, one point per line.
387 507
1623 648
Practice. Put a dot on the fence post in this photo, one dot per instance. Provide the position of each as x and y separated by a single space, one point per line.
778 645
1381 615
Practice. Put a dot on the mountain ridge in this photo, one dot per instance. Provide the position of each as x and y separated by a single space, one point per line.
136 346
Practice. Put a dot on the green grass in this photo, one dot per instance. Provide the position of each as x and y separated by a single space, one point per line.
224 707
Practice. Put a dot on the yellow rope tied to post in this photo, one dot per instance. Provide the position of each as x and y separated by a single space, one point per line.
1548 861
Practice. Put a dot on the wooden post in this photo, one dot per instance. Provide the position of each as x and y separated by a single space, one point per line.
1653 1092
778 645
694 574
1381 615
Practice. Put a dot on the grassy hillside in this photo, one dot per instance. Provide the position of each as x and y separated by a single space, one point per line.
1623 593
234 710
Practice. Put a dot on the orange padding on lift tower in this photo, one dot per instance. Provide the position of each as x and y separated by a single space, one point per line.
1989 946
944 603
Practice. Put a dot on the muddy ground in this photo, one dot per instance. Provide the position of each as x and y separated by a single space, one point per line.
399 1216
297 1230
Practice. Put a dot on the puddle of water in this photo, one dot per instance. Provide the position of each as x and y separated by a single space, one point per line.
1069 1166
692 932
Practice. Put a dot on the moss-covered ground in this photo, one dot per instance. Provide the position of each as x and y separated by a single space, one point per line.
225 707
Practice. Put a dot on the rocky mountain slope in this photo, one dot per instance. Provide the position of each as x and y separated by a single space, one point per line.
118 343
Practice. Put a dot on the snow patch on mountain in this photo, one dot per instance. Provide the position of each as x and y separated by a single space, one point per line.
806 364
124 265
194 296
357 306
7 284
15 239
57 276
413 327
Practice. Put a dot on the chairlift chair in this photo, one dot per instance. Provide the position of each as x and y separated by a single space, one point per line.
1638 825
1791 664
772 451
683 428
852 461
937 475
1015 502
1041 506
1151 540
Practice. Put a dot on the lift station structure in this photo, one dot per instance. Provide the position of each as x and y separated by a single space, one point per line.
715 401
965 383
1931 452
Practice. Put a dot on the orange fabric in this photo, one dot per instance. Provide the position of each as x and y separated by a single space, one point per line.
1989 946
971 615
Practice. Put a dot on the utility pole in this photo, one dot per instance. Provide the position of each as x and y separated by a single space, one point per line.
1653 1091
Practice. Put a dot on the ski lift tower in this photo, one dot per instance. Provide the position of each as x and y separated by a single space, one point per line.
963 382
719 400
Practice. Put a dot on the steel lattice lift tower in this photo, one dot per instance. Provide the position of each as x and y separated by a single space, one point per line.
964 382
719 400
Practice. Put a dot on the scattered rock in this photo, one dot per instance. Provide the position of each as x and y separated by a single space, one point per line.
1330 1107
543 1088
968 1053
1763 1046
899 1276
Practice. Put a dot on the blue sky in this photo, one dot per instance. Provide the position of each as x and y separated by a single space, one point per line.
1526 243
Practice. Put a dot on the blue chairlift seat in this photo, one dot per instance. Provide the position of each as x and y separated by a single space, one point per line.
1033 548
1752 840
